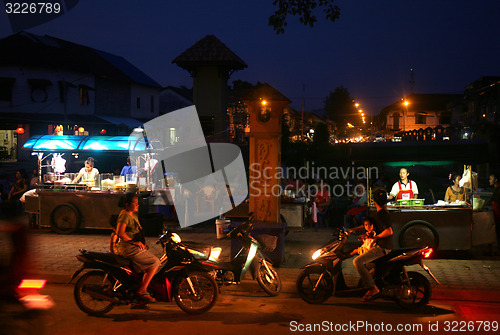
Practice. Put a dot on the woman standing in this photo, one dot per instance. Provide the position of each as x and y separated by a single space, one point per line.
12 205
494 201
455 192
132 244
20 185
404 188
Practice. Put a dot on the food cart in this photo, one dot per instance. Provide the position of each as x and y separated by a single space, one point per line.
66 207
444 226
441 225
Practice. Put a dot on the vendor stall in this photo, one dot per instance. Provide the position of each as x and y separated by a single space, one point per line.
441 227
66 207
456 225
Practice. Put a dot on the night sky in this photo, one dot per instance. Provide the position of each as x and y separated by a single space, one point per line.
369 50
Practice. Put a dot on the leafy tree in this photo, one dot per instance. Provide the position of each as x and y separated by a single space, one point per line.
285 135
340 108
321 135
243 84
304 9
320 146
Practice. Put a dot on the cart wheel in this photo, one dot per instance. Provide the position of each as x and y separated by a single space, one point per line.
418 234
65 219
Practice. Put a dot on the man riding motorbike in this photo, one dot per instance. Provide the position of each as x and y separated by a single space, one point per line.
383 240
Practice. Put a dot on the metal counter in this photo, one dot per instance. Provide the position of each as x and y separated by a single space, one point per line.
444 228
66 211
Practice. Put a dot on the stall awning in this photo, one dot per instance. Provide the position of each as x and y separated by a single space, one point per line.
84 143
121 121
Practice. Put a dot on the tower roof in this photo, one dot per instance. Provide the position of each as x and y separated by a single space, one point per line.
209 51
264 90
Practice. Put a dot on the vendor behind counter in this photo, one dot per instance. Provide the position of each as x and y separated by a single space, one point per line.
404 188
89 173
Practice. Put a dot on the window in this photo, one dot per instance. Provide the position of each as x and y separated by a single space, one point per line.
419 118
138 103
6 85
64 90
395 124
84 94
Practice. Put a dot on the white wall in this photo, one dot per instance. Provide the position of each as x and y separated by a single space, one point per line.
145 93
21 99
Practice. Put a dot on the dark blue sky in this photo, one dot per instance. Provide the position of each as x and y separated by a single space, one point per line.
369 50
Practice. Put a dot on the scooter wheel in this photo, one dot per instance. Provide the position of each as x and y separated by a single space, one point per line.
88 292
417 295
314 285
269 280
196 292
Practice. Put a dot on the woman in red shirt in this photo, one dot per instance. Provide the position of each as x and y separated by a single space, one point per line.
322 200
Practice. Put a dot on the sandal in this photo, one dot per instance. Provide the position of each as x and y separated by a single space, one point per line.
146 297
369 296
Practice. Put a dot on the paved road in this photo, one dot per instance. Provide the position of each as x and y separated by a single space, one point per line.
470 290
53 257
246 309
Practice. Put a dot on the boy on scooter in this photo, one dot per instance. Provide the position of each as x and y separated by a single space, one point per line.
383 238
368 240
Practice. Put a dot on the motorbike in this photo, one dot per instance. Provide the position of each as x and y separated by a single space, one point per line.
249 257
22 306
323 277
111 280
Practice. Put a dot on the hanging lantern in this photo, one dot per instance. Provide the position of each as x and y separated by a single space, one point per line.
81 129
102 132
20 130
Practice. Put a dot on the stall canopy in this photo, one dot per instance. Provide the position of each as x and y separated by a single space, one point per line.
84 143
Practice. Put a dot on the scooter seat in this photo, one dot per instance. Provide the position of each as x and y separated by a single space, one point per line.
394 253
108 258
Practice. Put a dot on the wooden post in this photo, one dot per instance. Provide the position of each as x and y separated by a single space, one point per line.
265 107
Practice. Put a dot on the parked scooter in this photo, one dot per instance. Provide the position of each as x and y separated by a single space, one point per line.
323 277
250 257
112 282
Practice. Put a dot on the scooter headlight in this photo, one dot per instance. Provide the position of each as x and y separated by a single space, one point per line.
176 238
316 254
215 253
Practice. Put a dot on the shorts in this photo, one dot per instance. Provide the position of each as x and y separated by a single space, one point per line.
142 260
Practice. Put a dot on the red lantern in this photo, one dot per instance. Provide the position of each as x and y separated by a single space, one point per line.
81 129
20 130
103 131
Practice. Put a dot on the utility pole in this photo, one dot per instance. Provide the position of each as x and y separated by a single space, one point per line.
412 82
303 102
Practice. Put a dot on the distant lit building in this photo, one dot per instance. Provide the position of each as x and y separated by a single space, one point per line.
483 101
421 116
53 86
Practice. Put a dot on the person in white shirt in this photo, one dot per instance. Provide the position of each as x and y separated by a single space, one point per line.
89 172
404 188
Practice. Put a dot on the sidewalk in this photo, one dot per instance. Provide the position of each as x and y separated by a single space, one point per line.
53 258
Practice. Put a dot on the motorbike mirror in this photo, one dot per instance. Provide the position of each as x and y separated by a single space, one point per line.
162 237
